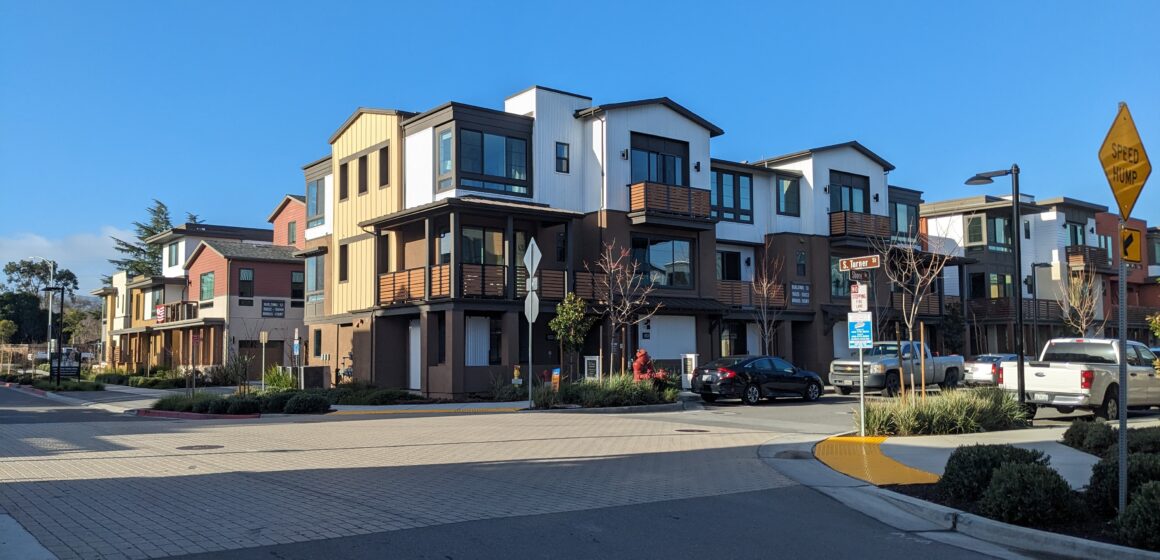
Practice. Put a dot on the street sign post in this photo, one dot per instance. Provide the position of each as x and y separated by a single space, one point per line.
861 336
531 306
1127 168
859 299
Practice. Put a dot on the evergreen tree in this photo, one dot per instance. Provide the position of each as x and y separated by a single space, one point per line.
191 218
141 258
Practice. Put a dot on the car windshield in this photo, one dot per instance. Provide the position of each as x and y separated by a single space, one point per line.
727 361
883 350
1080 352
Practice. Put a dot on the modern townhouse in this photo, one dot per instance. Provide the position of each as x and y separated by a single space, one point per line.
420 222
1141 289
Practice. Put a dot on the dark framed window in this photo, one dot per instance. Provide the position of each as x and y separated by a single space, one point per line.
903 220
343 182
731 196
563 158
1075 234
316 346
978 285
384 166
495 342
659 160
493 162
315 203
789 197
728 265
171 251
445 147
482 246
315 277
734 338
849 192
362 175
975 233
839 281
561 247
664 262
999 234
801 263
1000 285
443 247
205 286
292 233
246 282
297 284
343 263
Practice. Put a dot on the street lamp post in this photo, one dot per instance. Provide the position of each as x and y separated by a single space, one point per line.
59 357
51 281
985 178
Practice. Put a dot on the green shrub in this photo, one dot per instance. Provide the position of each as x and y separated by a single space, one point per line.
275 402
970 468
307 403
1144 440
278 378
952 412
243 405
182 403
1029 494
612 391
201 406
69 385
219 406
1103 489
1139 525
1090 437
112 378
509 393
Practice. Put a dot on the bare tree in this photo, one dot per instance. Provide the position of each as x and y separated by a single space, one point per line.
1080 294
912 264
767 290
624 291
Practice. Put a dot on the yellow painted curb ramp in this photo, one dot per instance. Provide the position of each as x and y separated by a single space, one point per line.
862 458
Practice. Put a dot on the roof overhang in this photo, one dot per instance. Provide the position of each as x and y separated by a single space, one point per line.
147 281
713 129
286 200
470 204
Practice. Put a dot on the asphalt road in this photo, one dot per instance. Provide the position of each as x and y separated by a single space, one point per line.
21 408
792 522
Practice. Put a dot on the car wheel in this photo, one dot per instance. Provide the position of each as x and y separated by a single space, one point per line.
751 395
844 390
951 381
709 398
892 385
813 392
1110 410
1030 409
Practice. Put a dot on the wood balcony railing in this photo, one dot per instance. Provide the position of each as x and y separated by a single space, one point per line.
483 280
1003 309
736 293
551 283
1083 256
1136 314
669 199
401 287
590 285
858 224
928 306
178 311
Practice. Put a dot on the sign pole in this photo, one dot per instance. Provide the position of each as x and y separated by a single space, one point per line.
861 394
1122 326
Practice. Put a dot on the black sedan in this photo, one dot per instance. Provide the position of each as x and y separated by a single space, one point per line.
752 378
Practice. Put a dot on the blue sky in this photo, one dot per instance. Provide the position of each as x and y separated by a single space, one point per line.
212 107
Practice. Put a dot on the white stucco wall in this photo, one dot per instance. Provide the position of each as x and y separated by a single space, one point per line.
669 336
419 168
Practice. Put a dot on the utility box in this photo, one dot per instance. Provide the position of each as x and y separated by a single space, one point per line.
688 365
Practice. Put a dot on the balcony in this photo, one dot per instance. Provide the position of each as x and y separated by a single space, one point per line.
1083 256
551 283
476 281
735 293
857 224
669 205
928 306
1003 310
1137 314
178 311
401 287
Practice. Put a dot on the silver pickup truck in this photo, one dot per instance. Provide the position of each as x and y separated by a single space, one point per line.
1083 373
883 367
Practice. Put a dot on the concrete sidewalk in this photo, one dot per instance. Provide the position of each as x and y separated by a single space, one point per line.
436 408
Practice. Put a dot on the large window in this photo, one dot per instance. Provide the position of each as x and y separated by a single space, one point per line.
789 197
493 162
315 277
728 265
171 254
297 284
1105 242
731 196
659 160
443 171
978 285
999 285
999 234
563 158
482 246
205 286
839 281
849 192
665 262
315 203
1075 234
246 282
903 220
975 234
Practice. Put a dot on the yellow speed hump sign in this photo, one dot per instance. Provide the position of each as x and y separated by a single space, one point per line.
1125 162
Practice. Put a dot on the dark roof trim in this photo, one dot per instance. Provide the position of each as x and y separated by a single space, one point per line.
898 188
713 129
1066 201
457 105
716 162
469 203
851 144
143 281
312 252
553 90
362 111
282 204
210 230
316 162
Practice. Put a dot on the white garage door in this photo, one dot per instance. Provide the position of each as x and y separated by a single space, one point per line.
669 336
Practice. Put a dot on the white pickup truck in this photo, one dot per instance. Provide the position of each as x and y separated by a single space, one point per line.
1083 373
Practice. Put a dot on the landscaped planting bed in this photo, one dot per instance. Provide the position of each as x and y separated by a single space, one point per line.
962 411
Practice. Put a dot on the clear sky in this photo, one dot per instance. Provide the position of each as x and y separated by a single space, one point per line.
212 107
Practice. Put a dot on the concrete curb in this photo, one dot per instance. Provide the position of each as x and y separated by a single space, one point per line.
146 412
678 406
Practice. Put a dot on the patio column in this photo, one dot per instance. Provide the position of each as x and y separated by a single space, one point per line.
509 247
456 275
426 259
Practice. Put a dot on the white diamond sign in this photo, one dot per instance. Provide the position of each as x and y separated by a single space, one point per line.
532 306
532 257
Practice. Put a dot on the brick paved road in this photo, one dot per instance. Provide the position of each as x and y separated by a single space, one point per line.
129 490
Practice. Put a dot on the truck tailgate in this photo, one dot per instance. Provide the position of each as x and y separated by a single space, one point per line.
1046 377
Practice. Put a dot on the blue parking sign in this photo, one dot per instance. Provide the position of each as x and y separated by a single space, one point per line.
861 334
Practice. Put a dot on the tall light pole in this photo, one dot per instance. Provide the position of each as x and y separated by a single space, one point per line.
985 178
51 281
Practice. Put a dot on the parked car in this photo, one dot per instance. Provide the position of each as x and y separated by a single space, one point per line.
752 378
882 367
1083 373
985 369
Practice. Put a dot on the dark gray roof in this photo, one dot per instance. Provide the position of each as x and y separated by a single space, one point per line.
298 197
553 90
851 144
210 230
713 129
252 251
